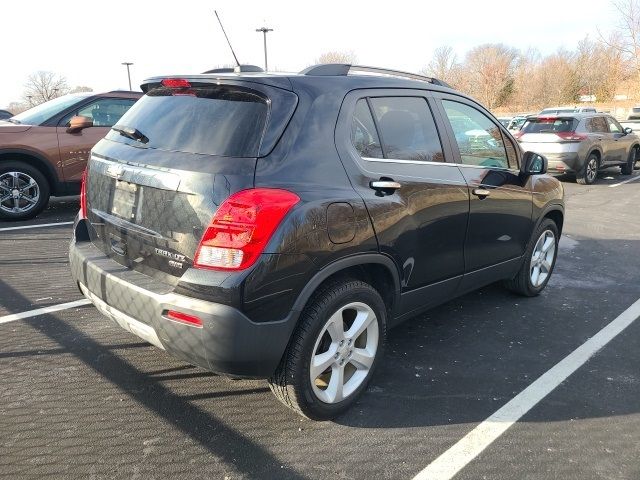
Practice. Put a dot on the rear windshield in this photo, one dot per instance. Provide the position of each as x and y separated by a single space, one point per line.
549 125
213 120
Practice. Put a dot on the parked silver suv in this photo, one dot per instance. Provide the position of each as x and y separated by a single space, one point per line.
581 143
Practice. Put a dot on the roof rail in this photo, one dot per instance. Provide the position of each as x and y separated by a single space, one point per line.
237 69
343 69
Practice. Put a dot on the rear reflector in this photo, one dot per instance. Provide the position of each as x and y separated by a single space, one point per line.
83 195
241 228
185 318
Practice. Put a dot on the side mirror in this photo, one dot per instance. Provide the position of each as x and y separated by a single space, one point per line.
79 122
628 130
534 163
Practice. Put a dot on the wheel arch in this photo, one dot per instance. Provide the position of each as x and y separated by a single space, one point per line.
379 270
36 160
554 212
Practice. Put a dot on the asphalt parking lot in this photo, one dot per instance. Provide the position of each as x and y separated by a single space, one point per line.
81 398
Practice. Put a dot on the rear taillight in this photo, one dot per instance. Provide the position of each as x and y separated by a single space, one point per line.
572 136
83 195
241 228
518 134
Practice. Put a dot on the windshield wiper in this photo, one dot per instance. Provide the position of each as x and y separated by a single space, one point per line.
132 133
12 120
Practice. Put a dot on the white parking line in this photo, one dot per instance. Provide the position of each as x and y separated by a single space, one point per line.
41 311
457 457
23 227
626 181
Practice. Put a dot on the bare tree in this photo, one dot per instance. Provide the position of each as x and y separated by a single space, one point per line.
17 107
42 86
81 88
337 57
488 73
444 66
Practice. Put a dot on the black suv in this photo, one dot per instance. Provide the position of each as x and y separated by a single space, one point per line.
275 226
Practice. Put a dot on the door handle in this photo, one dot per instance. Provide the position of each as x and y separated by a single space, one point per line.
385 185
481 193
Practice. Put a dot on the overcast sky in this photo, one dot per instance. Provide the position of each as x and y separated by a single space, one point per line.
86 41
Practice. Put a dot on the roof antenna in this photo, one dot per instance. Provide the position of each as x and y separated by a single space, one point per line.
225 36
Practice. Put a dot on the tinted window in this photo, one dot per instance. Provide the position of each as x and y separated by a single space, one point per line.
363 132
479 139
596 125
216 120
407 129
550 125
105 112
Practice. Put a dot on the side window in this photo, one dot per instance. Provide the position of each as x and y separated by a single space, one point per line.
599 125
107 111
511 153
363 132
407 129
479 139
614 127
104 112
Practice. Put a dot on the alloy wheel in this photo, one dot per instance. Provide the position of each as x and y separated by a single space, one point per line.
19 192
542 258
344 352
592 170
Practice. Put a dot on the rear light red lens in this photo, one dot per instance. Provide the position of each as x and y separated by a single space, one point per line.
83 195
185 318
176 83
518 134
577 137
242 227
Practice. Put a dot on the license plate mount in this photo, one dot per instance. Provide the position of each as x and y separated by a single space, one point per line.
124 200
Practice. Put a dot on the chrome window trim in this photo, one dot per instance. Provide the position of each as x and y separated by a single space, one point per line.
449 164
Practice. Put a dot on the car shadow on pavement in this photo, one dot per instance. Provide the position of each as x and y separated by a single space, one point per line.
233 449
462 361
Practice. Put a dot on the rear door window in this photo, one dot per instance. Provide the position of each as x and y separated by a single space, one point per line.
597 125
364 135
407 129
479 139
222 120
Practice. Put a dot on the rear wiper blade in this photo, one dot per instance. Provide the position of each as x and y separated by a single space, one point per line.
132 133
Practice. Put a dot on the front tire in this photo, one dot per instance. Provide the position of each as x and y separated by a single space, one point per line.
24 191
333 352
540 260
627 168
589 172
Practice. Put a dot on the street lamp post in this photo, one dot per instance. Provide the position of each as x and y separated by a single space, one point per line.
128 72
264 31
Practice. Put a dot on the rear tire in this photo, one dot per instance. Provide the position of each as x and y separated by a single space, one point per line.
540 260
589 173
333 351
24 191
627 168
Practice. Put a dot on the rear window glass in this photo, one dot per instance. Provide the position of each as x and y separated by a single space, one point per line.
549 125
212 120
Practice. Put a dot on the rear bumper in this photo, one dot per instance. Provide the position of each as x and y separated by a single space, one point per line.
228 342
568 162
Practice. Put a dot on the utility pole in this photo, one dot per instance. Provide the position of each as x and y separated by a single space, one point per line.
128 72
264 31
